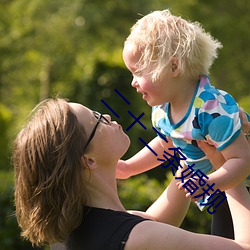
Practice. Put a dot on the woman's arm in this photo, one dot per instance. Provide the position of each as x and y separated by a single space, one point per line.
171 207
239 203
159 236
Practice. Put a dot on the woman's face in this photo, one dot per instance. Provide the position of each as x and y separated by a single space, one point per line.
109 140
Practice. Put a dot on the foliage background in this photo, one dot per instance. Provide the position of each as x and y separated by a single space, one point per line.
72 48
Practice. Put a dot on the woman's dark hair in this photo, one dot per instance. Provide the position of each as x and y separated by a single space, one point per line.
49 180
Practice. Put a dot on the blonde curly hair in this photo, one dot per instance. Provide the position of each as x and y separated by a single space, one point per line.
49 181
160 36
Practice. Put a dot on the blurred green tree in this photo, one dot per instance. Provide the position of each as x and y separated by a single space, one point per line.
72 48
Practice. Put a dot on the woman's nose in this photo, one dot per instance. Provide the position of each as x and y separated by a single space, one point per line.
108 117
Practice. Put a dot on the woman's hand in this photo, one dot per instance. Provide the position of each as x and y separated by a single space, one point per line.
214 156
245 124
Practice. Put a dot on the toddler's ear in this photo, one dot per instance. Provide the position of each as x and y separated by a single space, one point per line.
175 66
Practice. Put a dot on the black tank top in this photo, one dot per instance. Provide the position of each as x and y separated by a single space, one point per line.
102 229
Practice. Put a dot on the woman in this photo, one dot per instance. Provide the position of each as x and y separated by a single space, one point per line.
65 188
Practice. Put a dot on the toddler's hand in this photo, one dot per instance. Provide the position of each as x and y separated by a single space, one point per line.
192 189
245 122
189 193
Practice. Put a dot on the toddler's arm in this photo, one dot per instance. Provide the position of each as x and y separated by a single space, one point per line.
236 167
217 159
142 161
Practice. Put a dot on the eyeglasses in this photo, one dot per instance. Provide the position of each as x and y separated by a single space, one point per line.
100 118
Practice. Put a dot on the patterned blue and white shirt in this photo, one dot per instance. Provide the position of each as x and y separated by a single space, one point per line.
213 115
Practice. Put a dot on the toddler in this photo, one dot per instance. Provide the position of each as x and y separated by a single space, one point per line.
170 59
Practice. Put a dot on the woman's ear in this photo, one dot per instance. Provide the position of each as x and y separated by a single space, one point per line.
89 161
175 66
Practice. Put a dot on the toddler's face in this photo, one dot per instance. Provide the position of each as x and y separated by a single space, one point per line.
152 92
